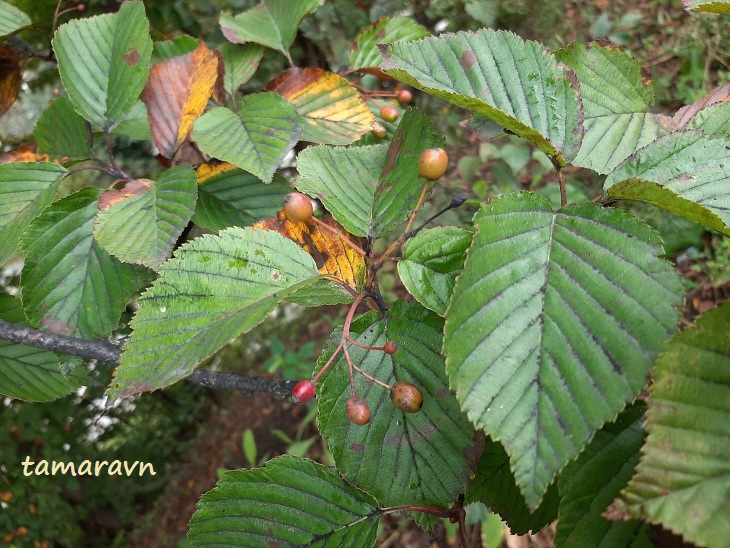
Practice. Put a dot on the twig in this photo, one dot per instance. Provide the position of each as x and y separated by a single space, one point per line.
563 191
107 352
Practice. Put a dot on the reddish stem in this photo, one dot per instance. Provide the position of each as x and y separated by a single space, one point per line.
329 362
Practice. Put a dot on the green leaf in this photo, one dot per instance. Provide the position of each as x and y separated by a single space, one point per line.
589 484
292 501
400 183
141 222
553 326
431 262
683 479
104 63
228 196
11 20
616 101
240 64
375 104
29 373
429 454
516 83
272 24
707 6
26 189
713 120
256 138
216 288
365 53
495 486
69 284
684 166
61 131
177 47
344 179
136 124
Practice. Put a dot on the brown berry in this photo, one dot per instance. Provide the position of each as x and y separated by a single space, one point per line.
389 113
358 410
390 347
380 134
298 207
404 97
406 397
432 163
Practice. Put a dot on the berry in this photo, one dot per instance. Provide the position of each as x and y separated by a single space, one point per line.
390 347
389 114
406 397
298 207
302 392
358 410
404 96
380 134
432 163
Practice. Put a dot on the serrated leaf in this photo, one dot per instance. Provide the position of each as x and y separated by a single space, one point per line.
495 486
589 484
228 196
61 131
136 124
713 120
514 82
12 65
431 262
616 101
429 454
176 94
708 6
11 20
177 47
682 481
29 373
70 286
141 222
344 179
332 109
256 138
553 326
104 62
684 115
26 189
240 64
214 289
292 501
688 164
400 183
364 53
272 23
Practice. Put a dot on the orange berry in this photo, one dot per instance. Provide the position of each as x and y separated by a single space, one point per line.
390 347
297 207
432 163
389 113
404 97
406 397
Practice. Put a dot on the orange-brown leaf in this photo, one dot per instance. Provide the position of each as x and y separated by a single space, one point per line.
12 63
176 94
332 108
27 152
134 187
331 255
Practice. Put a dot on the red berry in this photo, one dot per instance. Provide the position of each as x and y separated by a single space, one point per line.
298 207
404 96
432 163
389 113
302 392
358 410
406 397
380 134
390 347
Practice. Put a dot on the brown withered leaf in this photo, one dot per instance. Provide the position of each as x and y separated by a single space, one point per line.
683 116
331 255
176 94
12 63
333 110
27 152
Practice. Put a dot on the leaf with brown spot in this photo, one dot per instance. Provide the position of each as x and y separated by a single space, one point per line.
333 110
12 63
685 114
176 94
330 253
128 189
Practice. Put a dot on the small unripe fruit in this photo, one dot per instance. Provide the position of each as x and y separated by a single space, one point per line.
406 397
302 392
390 347
297 207
432 163
380 134
358 410
389 114
404 97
